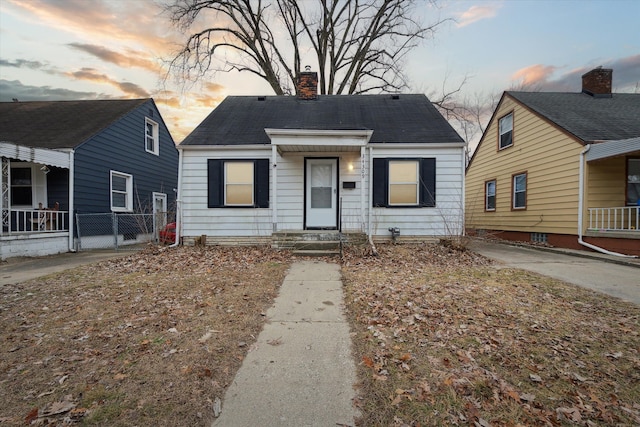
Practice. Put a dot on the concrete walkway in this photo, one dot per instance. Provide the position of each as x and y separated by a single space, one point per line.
618 277
301 371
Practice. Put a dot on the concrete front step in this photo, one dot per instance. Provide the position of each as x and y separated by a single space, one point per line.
316 253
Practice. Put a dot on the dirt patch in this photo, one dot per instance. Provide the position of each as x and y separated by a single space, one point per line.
443 338
150 339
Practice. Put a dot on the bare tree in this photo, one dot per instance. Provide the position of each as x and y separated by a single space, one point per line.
358 46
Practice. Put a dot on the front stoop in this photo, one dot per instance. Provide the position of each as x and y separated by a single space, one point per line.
308 242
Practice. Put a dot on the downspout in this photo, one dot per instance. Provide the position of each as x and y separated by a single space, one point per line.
580 210
178 201
72 247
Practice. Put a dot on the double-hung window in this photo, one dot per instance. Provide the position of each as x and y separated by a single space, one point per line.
404 182
238 183
151 142
505 125
519 196
21 186
490 195
121 192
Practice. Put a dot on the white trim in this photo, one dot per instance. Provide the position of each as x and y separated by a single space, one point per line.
394 145
604 150
318 132
155 136
58 158
128 192
224 147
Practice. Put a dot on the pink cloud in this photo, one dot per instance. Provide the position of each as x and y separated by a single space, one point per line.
475 14
534 74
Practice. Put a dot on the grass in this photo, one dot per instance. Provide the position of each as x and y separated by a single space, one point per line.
440 337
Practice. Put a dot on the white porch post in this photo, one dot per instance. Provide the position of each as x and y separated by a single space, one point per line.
71 200
274 186
5 197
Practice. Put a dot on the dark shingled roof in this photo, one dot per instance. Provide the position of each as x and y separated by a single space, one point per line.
393 118
588 118
59 124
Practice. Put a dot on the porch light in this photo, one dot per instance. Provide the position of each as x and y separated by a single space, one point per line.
350 166
45 169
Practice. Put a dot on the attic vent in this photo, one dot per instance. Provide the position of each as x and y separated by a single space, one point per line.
261 98
150 112
395 96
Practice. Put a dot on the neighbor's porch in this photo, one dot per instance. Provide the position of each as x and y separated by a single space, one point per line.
34 201
613 189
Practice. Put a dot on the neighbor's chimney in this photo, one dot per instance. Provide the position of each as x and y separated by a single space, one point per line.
597 82
307 84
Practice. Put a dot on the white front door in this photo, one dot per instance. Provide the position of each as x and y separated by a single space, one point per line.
321 207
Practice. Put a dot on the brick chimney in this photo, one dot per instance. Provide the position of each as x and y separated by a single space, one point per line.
307 84
597 82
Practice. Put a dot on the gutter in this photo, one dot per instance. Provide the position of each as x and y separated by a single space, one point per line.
178 201
580 211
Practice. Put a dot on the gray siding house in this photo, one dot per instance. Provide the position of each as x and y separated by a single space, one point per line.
65 157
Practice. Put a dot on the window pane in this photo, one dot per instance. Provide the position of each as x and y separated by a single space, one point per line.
119 200
321 175
118 183
20 176
403 172
150 143
521 182
321 197
403 194
21 196
239 172
505 140
491 188
239 194
519 200
491 202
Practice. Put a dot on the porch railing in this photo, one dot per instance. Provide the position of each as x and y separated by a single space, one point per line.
615 219
36 221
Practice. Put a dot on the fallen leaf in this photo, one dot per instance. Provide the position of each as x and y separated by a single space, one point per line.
535 378
32 415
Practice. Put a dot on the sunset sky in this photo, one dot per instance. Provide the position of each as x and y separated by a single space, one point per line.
92 49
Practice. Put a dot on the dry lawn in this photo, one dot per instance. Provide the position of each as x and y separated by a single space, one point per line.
441 337
444 338
151 339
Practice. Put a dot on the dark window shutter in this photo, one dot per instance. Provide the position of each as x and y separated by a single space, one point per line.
428 182
261 183
380 182
215 183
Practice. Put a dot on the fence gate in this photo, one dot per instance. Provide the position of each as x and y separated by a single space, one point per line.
115 231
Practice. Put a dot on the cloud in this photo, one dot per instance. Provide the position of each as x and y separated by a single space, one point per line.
475 14
533 74
133 58
93 75
626 76
10 89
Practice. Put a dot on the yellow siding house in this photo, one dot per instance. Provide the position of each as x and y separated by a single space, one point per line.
561 169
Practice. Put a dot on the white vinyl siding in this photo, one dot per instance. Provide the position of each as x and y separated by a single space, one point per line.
229 222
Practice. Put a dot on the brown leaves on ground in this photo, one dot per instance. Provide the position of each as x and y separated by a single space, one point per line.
443 338
149 339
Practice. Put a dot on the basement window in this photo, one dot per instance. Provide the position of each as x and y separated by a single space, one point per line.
539 237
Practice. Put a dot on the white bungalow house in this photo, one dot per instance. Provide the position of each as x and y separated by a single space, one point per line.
262 167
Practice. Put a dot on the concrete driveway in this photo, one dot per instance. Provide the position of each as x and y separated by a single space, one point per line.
16 270
600 273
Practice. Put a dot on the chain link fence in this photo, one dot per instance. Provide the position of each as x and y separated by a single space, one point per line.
119 231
